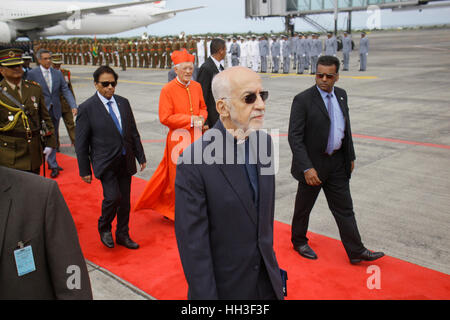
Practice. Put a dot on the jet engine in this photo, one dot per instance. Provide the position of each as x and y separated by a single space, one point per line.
7 34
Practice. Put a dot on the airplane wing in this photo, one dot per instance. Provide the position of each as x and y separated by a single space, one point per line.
175 11
50 19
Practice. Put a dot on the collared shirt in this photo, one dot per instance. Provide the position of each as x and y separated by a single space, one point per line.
114 106
217 63
49 74
339 128
13 86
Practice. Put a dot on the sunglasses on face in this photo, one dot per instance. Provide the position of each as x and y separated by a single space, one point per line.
328 75
251 98
106 84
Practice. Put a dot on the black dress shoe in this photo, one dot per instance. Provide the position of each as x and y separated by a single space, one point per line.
127 243
107 239
55 173
367 255
58 167
306 251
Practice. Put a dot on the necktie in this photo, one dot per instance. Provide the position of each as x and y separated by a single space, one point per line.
221 68
47 79
252 172
116 121
17 91
113 116
330 145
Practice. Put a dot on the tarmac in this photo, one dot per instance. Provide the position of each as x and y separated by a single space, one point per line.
400 117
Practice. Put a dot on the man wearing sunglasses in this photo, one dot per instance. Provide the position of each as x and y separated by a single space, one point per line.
224 209
106 135
320 138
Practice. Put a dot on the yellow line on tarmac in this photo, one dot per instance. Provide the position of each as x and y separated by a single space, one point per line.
126 81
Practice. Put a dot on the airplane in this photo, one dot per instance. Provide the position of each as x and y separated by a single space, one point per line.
35 19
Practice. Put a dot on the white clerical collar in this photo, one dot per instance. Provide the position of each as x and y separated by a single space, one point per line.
184 85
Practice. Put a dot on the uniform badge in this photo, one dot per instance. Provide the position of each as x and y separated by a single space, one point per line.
33 98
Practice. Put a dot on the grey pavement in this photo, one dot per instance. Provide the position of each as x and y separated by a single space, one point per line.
400 187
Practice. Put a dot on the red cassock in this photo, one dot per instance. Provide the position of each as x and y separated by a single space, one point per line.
177 103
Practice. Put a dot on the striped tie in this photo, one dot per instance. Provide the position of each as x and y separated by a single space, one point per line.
330 145
47 79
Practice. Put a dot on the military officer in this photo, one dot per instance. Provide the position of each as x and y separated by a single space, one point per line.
23 117
170 45
286 50
330 45
235 51
363 51
66 111
346 49
316 51
263 53
122 54
275 51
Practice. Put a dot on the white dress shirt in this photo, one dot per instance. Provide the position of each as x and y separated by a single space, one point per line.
114 106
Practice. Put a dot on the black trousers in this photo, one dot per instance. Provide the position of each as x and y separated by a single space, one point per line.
336 186
116 183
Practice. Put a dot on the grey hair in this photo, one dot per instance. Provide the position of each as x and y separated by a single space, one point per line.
220 86
41 51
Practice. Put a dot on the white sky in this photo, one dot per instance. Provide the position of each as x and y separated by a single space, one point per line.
228 16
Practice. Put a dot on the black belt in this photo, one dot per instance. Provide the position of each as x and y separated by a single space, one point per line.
20 134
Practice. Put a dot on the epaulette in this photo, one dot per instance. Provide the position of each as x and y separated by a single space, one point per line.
33 82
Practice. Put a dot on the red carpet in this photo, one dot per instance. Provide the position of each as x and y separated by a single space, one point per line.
156 269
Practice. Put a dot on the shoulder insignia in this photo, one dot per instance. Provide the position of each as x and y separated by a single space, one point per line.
33 82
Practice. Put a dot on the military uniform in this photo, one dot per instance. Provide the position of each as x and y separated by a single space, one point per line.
122 53
66 111
363 51
21 117
162 54
169 50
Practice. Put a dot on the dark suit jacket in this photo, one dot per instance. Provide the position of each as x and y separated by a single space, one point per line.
59 86
309 125
205 76
222 237
33 211
99 141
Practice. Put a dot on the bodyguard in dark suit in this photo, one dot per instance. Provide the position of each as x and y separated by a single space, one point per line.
107 136
212 66
321 141
40 255
53 85
224 207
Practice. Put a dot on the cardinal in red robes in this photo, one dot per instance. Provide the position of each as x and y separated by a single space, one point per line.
183 110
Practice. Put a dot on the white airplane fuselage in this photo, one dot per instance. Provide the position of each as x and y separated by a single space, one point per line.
112 22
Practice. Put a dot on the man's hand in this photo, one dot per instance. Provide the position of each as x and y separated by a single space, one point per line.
87 179
312 178
143 166
74 111
353 166
46 152
198 121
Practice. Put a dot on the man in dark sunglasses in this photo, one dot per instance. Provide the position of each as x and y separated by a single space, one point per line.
320 138
106 135
224 211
